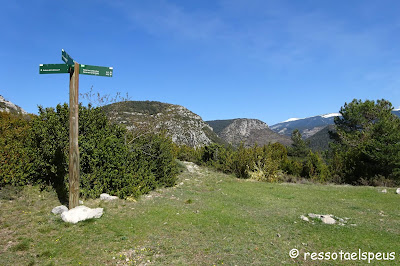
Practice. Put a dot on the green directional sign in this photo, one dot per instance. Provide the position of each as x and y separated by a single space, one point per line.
96 70
53 68
66 58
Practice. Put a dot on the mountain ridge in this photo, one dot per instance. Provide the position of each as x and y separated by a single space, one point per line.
9 107
309 126
247 131
181 124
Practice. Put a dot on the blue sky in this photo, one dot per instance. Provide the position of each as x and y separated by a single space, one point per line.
222 59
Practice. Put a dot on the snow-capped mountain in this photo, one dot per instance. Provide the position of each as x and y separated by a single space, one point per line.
307 126
310 125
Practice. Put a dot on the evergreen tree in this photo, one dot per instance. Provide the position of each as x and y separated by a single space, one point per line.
368 140
299 147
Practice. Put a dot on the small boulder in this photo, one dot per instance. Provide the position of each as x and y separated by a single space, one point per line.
107 197
59 209
314 216
81 213
384 190
327 219
398 191
304 218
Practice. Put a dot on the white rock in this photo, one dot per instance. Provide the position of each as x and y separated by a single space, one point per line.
304 218
398 191
312 215
384 190
107 197
59 209
327 219
81 213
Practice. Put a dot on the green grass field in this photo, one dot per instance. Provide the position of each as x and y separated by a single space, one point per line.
209 218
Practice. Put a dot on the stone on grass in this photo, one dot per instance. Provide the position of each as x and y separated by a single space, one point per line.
312 215
384 190
398 191
327 219
107 197
304 218
59 209
81 213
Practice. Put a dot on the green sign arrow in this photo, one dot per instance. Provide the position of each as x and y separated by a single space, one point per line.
66 58
53 68
96 70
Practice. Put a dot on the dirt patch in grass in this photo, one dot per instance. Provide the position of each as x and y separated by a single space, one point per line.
6 236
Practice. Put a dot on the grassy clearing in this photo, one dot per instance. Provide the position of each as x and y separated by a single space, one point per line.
208 219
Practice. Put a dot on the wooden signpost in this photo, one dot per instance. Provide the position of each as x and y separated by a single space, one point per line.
74 69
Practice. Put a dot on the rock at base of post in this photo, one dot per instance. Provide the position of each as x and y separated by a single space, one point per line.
81 213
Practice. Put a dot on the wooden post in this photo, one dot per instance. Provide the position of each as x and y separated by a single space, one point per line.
73 137
73 113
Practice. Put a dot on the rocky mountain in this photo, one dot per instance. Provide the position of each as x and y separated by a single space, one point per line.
9 107
310 125
307 126
184 126
248 131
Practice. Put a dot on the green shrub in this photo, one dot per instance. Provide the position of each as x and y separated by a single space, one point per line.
107 162
241 162
157 151
266 162
292 167
15 155
265 169
315 168
184 153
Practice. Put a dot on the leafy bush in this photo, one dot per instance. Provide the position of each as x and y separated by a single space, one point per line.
15 155
107 162
185 153
267 161
315 168
242 159
292 167
261 163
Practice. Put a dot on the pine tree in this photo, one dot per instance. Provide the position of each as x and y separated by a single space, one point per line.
299 147
368 140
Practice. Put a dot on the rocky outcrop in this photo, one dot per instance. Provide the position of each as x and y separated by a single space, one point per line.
248 131
182 125
9 107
